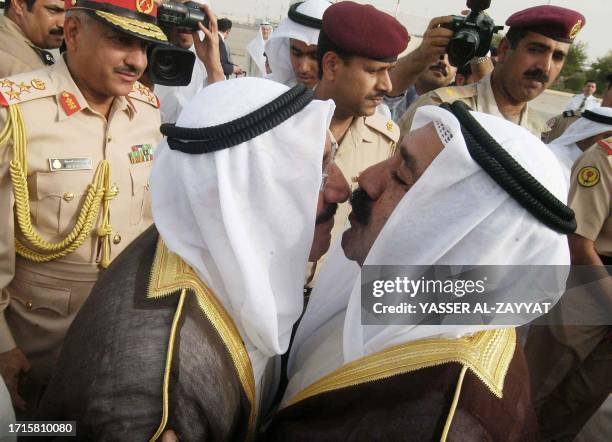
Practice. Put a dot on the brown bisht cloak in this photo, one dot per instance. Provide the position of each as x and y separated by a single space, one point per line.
115 377
469 389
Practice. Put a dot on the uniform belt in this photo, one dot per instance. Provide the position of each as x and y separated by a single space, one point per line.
70 271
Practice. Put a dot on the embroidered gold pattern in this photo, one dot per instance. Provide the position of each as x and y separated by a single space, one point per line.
171 274
133 25
487 354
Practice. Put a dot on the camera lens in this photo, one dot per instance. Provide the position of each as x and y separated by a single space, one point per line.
166 67
462 47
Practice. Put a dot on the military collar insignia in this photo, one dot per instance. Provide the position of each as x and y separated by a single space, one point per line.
69 103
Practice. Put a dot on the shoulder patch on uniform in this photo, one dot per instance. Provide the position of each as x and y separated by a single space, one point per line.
142 93
588 176
25 87
452 93
606 145
569 113
384 125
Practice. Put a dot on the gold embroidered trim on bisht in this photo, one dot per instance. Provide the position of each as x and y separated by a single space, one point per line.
171 274
487 354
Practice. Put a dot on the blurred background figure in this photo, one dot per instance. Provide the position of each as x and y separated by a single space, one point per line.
586 100
256 51
229 68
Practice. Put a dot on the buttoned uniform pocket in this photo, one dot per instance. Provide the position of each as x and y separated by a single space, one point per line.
58 198
140 204
40 298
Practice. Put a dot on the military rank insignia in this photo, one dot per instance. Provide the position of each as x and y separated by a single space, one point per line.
588 176
69 103
141 153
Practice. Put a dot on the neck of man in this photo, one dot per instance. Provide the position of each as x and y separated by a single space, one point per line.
508 106
97 102
342 119
422 86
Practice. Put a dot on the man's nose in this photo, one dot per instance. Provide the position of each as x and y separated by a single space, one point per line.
303 65
137 57
336 189
384 82
546 63
374 179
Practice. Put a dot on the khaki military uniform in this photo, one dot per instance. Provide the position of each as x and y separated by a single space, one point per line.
570 365
559 124
66 141
478 96
17 53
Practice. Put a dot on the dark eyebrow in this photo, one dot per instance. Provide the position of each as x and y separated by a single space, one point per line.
539 45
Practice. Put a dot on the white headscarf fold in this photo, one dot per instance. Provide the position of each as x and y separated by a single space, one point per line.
243 217
277 47
455 214
565 148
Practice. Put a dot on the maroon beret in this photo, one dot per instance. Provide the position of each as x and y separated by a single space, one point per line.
555 22
364 30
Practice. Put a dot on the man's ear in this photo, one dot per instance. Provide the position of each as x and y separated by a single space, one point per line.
330 64
72 28
503 49
19 7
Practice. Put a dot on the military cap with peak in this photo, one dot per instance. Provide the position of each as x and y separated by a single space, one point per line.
555 22
363 30
135 17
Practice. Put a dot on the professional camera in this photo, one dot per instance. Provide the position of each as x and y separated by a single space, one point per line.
181 16
473 34
169 65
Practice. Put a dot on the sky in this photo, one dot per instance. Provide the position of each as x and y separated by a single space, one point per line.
416 14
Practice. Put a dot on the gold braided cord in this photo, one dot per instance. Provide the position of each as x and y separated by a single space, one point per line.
453 408
168 368
98 195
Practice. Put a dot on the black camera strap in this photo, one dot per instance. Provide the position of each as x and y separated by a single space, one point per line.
510 175
214 138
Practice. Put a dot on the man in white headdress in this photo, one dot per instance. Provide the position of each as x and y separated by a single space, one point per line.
256 49
592 126
431 204
292 49
214 295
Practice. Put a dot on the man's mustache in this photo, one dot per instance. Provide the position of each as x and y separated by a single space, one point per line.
328 213
537 75
439 66
362 206
57 31
127 69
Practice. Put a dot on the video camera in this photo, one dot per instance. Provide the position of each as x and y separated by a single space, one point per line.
169 65
472 34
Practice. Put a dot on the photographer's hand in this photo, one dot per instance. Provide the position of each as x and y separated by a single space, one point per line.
207 49
434 43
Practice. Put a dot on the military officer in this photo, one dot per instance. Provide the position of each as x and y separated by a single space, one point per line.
76 150
27 28
560 123
570 364
530 58
354 72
